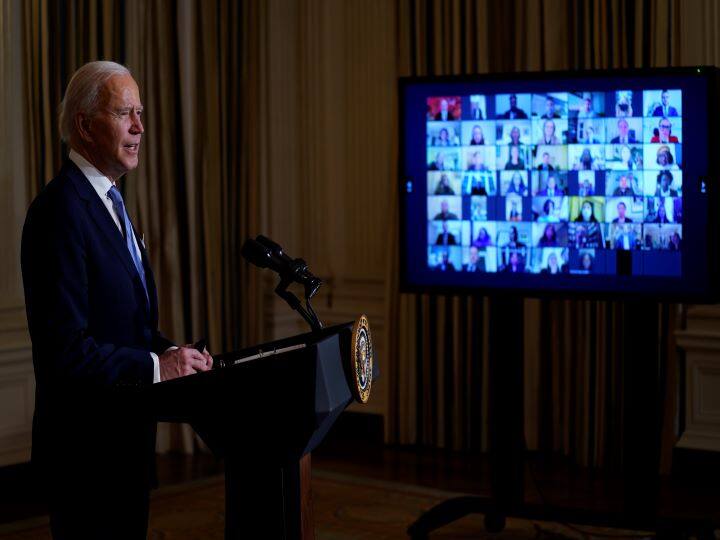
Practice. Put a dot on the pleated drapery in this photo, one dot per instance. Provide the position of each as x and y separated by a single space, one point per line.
573 349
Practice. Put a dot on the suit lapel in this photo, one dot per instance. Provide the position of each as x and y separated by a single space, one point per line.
100 215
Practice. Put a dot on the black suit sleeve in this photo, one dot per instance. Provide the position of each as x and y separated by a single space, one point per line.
56 282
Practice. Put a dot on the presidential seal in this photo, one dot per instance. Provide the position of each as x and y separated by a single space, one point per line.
361 358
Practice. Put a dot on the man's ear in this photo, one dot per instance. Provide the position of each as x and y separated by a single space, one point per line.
83 126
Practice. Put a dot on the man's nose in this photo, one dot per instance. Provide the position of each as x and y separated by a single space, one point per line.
137 126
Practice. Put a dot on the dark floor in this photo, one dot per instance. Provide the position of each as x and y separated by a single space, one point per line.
354 448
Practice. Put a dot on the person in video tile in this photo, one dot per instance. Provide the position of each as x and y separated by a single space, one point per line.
438 164
545 164
664 183
548 136
548 215
626 238
586 263
587 229
661 216
514 242
621 217
483 239
552 189
587 109
586 162
477 137
665 158
665 109
445 214
514 136
514 111
549 237
445 264
663 134
473 258
624 136
515 264
476 162
553 266
444 112
675 242
445 238
515 162
624 188
517 185
550 111
443 186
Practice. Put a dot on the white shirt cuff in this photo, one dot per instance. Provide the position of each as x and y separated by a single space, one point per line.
156 367
156 364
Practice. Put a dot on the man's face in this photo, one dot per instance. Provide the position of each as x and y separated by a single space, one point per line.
473 255
444 105
477 134
546 160
550 107
621 210
665 98
112 136
623 182
551 182
444 207
623 127
513 101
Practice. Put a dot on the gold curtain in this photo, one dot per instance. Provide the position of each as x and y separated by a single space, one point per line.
573 366
195 195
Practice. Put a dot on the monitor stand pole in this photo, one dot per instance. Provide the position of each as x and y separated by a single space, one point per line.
506 424
644 382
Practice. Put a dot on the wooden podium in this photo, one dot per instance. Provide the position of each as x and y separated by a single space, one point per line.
263 410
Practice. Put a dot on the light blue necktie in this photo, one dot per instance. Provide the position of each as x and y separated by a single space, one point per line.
119 206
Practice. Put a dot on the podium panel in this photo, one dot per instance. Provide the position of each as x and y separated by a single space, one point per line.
263 410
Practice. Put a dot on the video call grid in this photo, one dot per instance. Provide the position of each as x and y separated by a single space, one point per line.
552 183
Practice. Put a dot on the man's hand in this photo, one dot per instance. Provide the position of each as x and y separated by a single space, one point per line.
183 361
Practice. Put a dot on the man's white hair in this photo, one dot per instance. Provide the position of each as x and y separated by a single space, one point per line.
83 90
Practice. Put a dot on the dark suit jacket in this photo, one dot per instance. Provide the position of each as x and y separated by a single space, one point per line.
672 111
630 139
92 328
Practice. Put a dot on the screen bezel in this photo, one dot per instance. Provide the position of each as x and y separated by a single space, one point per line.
623 287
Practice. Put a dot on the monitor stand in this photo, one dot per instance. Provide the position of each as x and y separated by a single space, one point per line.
641 368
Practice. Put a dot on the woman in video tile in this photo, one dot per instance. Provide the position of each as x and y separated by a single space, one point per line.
482 240
665 158
548 136
586 263
553 267
477 137
549 237
443 186
664 183
515 162
515 264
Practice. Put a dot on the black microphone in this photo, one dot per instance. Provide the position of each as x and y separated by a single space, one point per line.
265 253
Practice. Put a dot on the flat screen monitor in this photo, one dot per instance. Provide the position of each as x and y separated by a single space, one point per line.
565 183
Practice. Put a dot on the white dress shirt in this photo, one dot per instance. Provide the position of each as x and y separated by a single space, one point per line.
102 185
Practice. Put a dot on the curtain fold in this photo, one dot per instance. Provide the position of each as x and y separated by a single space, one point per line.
573 349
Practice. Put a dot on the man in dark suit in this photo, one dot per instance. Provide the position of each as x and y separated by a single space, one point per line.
445 238
92 314
624 135
514 111
665 109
